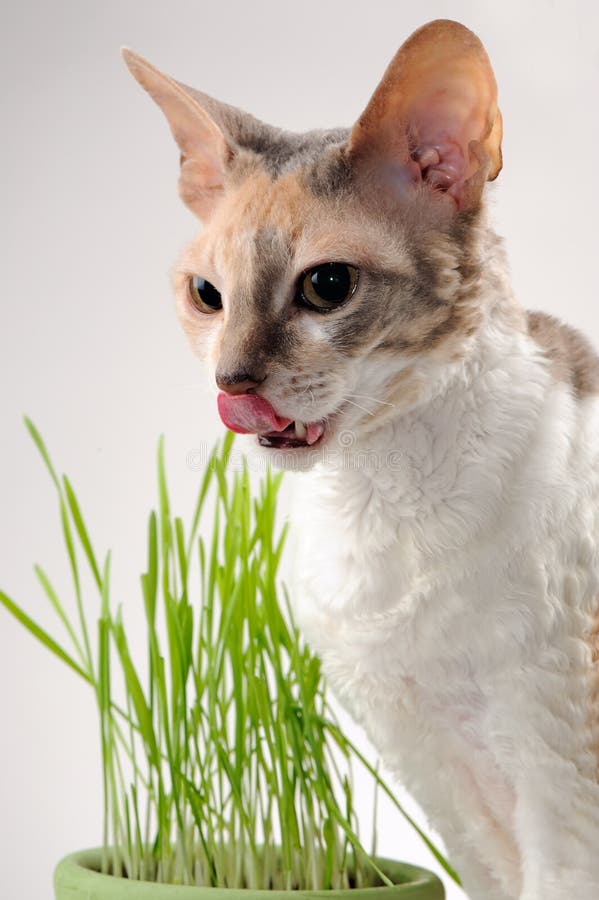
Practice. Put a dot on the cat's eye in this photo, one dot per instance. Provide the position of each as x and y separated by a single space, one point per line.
204 295
327 286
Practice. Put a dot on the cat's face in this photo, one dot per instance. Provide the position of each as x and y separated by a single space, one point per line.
333 278
343 364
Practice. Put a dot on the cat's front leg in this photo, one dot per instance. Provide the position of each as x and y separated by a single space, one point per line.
557 827
443 784
477 880
456 814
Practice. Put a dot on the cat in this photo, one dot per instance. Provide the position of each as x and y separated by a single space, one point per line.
354 307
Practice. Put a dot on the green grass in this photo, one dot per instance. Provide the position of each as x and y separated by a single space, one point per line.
222 761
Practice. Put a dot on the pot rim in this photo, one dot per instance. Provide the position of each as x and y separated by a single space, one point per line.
80 870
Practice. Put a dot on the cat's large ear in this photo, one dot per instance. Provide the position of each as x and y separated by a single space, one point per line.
433 120
205 150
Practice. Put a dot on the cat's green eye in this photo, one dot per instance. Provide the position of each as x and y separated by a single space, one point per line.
327 286
204 295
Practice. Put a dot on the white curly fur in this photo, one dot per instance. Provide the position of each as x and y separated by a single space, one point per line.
450 585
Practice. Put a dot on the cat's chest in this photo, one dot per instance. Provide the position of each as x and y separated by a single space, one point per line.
426 703
422 648
425 635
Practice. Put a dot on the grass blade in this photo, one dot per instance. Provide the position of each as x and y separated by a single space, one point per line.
82 530
41 635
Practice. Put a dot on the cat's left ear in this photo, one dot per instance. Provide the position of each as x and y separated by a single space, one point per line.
433 121
206 152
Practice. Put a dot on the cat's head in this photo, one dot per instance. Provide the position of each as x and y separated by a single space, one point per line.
334 277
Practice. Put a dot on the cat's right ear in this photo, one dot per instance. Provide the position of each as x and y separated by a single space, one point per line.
205 151
433 124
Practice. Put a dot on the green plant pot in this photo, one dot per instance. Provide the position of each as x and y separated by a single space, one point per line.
77 877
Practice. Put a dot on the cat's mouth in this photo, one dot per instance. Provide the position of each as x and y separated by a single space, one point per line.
297 434
253 414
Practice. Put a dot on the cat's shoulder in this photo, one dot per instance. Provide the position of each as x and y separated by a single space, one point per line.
573 358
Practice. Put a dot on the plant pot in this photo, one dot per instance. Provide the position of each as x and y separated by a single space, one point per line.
77 877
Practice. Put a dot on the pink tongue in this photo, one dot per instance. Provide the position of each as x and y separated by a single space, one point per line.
249 414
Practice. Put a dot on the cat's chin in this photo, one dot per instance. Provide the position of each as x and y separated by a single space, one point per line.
286 454
295 458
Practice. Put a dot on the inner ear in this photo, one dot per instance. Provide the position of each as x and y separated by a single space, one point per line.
205 152
433 119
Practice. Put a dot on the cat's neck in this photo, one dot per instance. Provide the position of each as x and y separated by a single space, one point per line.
429 492
446 461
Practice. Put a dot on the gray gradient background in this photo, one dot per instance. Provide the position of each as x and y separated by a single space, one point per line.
89 344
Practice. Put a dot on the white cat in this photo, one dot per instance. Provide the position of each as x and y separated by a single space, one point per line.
355 307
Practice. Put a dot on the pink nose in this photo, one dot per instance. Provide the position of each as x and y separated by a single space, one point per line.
237 382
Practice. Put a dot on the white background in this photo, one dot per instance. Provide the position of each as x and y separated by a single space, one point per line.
89 344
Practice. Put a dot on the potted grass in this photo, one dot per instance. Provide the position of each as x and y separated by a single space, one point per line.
225 771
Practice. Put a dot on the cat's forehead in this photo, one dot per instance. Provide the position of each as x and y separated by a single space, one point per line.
279 222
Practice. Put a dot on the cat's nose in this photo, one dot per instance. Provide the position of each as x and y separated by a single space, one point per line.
237 382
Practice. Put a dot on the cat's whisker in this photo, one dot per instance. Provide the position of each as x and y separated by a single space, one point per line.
308 389
368 412
374 399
